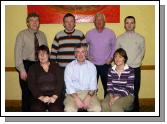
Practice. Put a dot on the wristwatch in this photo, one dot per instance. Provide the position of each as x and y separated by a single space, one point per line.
91 93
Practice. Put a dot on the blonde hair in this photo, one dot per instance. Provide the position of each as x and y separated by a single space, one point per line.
99 15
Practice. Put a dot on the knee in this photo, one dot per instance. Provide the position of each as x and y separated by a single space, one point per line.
70 109
116 108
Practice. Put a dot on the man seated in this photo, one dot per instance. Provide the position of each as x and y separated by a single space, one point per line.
81 83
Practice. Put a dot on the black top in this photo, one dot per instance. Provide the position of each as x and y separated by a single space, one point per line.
42 83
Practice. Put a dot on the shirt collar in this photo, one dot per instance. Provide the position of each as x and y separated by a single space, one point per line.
125 67
76 62
32 31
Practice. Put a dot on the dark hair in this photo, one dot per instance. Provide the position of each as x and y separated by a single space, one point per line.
121 52
33 14
130 17
68 15
43 48
80 45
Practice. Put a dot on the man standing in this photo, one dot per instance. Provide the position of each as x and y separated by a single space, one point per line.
27 42
62 50
81 83
101 43
134 45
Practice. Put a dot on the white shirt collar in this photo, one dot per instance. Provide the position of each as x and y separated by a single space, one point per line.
76 62
125 67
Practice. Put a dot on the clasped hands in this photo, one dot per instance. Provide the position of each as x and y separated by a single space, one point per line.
47 99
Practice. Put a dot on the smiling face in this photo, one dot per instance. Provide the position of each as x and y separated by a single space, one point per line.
33 23
80 54
43 56
69 23
119 60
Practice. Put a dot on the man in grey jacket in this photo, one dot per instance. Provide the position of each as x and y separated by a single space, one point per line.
27 42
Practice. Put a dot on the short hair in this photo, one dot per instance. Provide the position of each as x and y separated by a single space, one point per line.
33 14
129 17
81 45
68 15
99 15
43 48
121 52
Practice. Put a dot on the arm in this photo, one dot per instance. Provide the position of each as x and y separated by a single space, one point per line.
113 45
18 53
18 56
44 39
130 82
110 87
59 80
139 58
92 86
54 50
70 89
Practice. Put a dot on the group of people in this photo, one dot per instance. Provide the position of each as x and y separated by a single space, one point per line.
65 79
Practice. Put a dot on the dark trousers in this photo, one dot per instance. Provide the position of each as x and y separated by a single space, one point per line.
137 72
26 94
39 106
102 71
62 69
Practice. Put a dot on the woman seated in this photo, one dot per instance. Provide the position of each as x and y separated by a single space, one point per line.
120 84
45 83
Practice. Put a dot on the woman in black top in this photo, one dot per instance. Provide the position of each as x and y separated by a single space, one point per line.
45 83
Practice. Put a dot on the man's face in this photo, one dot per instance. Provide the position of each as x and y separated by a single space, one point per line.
69 23
33 23
99 22
80 54
129 24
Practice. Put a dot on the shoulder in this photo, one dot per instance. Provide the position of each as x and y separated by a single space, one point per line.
90 64
22 32
121 36
109 30
70 65
78 32
41 32
60 34
139 36
91 31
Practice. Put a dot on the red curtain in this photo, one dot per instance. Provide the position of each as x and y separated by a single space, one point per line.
50 14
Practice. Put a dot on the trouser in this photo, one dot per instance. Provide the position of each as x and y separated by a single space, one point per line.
137 72
120 105
39 106
26 94
70 105
102 71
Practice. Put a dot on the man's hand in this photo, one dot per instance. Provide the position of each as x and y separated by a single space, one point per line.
23 75
79 102
86 101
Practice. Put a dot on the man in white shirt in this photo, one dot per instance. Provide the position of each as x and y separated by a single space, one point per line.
81 83
134 45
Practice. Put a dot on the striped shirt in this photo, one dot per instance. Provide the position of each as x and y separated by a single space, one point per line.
62 50
121 85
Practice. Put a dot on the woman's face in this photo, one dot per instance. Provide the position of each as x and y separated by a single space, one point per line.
119 60
43 57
